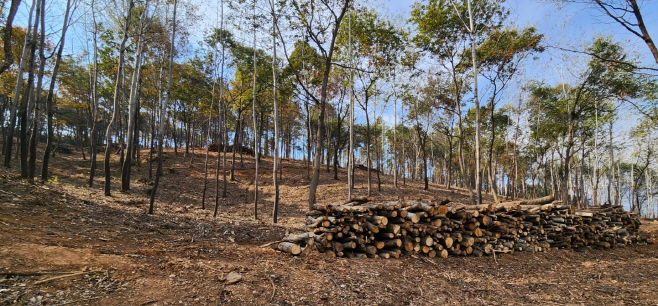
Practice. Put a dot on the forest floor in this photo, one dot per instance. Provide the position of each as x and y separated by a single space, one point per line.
63 243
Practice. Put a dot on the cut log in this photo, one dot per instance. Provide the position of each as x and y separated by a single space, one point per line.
289 247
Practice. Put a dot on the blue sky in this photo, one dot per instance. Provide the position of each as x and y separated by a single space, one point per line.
568 25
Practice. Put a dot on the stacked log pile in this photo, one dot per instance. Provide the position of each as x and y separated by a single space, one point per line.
365 229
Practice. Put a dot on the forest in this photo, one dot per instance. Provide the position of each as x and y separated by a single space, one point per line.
224 123
343 70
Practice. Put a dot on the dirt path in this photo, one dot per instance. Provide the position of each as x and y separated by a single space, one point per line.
62 243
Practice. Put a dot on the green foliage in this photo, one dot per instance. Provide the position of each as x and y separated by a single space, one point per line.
441 24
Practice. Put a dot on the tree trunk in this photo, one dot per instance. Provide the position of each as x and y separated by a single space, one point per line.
253 114
208 143
238 127
37 100
220 106
115 108
449 163
460 129
19 83
275 210
323 99
94 105
28 96
492 176
133 108
478 153
368 162
158 172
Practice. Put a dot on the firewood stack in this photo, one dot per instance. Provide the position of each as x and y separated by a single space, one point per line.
441 228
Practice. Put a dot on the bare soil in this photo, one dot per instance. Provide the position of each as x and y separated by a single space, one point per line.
64 243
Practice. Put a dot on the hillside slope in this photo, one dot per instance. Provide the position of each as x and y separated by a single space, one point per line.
63 242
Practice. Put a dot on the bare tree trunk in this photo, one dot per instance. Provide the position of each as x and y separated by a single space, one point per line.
460 129
133 108
220 106
368 162
350 156
37 100
449 163
238 127
492 176
222 114
611 170
163 107
94 105
478 150
153 118
17 90
308 138
117 92
205 164
253 114
275 210
28 96
377 156
322 105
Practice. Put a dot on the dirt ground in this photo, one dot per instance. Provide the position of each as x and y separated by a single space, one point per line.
63 243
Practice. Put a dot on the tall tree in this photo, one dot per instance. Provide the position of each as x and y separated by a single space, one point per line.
117 94
375 43
36 116
445 29
133 109
94 99
163 107
321 21
275 209
17 90
253 115
28 95
500 56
